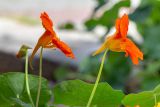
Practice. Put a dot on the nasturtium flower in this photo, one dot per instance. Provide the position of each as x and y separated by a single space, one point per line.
49 38
119 42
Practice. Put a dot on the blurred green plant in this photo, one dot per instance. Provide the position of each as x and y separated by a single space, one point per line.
77 92
108 17
143 99
69 93
13 91
64 73
118 69
147 18
115 71
67 26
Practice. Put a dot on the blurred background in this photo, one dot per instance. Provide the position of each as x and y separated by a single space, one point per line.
83 25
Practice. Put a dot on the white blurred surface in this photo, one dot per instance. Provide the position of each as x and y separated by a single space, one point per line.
59 10
14 34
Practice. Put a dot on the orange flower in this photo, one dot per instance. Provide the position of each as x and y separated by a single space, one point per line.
120 43
49 38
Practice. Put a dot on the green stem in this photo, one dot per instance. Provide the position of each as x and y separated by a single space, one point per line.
27 82
97 80
40 78
155 99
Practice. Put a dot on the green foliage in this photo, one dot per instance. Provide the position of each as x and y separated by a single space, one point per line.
143 99
108 18
115 71
13 91
141 14
69 93
61 74
77 92
20 103
100 3
67 26
91 23
150 76
64 73
147 18
147 15
151 44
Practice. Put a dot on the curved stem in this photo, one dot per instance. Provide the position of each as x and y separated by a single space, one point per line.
40 78
26 79
97 80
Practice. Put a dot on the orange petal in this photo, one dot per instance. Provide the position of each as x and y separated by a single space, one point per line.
103 47
49 45
33 53
118 21
43 41
117 34
46 22
133 51
63 47
124 25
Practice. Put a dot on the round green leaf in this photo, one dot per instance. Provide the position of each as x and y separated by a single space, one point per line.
13 90
143 99
77 92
